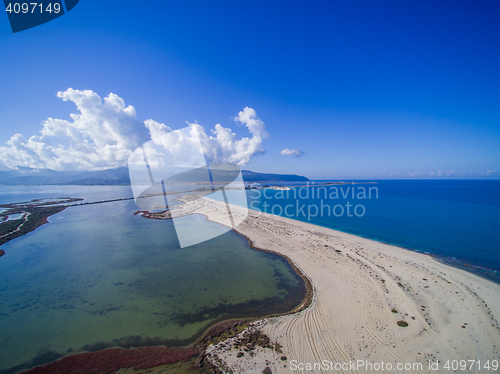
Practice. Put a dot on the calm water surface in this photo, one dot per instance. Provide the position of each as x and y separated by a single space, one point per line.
98 276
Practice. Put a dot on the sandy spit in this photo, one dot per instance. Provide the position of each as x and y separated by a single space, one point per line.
362 289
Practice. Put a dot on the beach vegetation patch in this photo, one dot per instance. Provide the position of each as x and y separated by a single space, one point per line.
277 348
255 339
394 310
402 324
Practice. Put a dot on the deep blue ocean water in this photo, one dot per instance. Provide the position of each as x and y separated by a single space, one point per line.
456 220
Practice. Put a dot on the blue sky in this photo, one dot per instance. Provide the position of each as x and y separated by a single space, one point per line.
363 89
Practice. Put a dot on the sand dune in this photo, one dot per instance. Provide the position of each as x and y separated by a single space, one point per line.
362 289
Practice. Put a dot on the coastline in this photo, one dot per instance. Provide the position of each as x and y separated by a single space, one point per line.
363 288
36 213
324 307
199 338
307 299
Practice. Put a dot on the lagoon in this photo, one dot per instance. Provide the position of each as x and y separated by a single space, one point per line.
97 276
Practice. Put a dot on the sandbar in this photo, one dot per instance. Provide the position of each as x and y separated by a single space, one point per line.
371 302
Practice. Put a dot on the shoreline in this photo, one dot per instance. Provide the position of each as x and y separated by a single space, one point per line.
481 270
373 301
36 213
458 263
454 262
309 294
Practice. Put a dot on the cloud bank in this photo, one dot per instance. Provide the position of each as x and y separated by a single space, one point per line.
292 152
103 133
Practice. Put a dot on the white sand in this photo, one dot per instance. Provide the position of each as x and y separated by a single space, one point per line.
451 314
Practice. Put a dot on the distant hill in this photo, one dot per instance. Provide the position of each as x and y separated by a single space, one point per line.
230 174
250 176
120 176
28 176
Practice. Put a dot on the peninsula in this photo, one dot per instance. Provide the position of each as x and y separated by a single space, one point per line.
17 219
371 302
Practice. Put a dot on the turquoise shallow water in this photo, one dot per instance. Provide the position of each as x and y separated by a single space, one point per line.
98 276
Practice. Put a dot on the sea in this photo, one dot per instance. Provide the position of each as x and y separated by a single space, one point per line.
98 276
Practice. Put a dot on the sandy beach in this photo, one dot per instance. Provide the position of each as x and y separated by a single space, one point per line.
373 304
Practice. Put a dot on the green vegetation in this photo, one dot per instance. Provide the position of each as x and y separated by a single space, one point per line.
228 333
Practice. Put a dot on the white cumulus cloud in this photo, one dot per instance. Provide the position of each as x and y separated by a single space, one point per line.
223 145
103 133
292 152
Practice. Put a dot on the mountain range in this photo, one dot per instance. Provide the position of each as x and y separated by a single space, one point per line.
118 176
